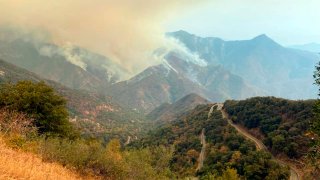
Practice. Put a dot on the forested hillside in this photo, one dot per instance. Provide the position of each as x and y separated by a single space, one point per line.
159 90
169 112
34 118
282 124
226 152
94 114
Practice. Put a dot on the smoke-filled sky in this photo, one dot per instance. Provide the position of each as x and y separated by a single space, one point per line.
128 31
287 21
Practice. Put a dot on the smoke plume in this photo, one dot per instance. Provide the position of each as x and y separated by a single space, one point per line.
126 31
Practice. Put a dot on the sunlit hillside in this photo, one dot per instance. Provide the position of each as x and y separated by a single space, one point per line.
159 90
15 164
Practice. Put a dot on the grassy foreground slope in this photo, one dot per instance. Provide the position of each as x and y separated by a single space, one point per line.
15 164
22 127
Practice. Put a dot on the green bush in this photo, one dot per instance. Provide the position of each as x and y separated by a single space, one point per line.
110 162
82 155
41 103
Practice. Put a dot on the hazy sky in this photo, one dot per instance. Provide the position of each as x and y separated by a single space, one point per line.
128 31
286 21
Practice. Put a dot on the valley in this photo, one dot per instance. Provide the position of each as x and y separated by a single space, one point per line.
96 115
207 110
213 68
159 90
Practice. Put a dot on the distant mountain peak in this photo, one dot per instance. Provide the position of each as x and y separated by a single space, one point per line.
262 37
180 32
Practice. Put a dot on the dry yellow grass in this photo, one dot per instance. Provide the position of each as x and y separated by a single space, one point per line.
15 164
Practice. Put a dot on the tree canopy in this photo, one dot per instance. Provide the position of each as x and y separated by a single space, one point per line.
40 102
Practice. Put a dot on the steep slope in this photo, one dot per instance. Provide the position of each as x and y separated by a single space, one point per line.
180 73
262 62
69 65
294 173
153 87
223 148
177 77
283 125
168 112
93 113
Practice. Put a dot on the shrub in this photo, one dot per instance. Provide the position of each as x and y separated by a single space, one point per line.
109 162
16 128
40 102
12 122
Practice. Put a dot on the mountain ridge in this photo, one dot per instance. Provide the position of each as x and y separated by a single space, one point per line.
95 114
312 47
211 67
260 61
168 112
159 84
71 66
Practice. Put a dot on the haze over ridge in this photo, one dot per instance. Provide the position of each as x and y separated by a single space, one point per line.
125 31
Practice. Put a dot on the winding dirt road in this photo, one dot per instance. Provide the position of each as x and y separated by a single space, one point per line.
203 142
294 175
128 141
203 149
